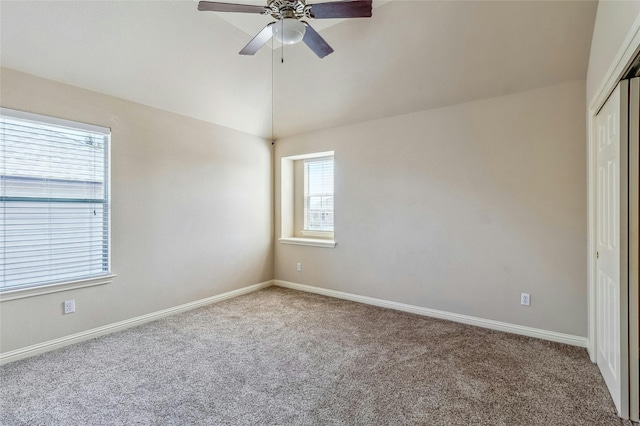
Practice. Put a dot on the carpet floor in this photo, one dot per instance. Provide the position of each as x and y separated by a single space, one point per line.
283 357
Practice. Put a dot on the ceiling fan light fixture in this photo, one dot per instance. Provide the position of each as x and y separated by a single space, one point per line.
289 31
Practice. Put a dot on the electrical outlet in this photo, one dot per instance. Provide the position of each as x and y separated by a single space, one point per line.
299 267
525 299
69 306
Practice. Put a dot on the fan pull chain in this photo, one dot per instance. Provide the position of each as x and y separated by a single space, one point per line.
272 92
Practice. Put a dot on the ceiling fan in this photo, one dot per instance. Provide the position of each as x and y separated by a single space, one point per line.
289 27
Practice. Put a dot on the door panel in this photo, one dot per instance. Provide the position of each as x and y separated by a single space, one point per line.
634 248
612 236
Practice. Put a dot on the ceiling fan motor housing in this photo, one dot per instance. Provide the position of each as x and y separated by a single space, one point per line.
288 9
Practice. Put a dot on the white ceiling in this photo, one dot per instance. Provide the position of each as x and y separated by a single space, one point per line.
412 55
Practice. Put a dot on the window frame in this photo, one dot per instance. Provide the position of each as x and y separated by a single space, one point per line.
18 292
314 232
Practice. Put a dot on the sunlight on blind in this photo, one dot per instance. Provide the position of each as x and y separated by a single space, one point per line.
54 224
318 194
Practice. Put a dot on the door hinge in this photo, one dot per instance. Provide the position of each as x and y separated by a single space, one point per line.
597 255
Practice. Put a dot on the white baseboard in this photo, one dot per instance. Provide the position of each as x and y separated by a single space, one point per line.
110 328
464 319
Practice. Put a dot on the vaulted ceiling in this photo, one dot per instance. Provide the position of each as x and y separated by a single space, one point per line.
410 56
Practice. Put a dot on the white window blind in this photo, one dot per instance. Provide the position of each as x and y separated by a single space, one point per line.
54 200
318 194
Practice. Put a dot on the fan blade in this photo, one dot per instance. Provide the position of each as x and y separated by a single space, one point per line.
342 9
316 43
230 7
258 41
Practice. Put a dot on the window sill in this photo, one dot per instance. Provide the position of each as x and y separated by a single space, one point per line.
312 242
325 235
21 293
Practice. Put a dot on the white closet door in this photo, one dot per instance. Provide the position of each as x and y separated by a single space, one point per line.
612 245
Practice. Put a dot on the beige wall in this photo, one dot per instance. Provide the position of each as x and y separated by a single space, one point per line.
191 212
613 22
459 209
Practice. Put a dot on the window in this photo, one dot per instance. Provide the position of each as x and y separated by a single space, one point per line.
318 196
307 200
54 201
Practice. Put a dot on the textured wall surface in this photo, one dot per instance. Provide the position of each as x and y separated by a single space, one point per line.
459 209
191 212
